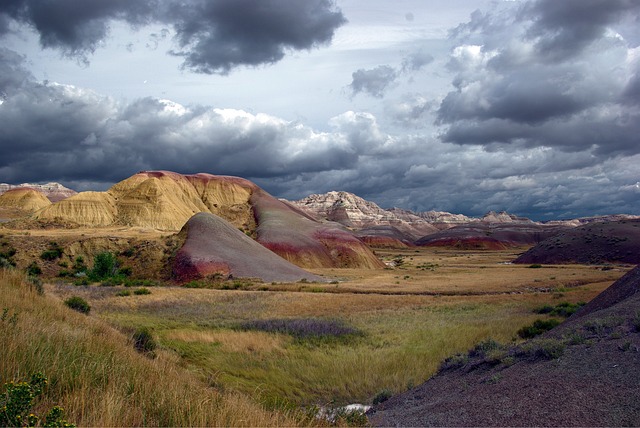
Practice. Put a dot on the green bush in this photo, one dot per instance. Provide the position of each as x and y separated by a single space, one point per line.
78 304
33 269
141 291
18 399
105 266
143 340
382 396
6 255
546 349
538 327
123 293
37 284
564 309
535 266
79 265
54 252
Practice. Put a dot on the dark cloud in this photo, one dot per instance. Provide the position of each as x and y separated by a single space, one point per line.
88 141
509 95
373 82
217 36
12 72
63 132
563 29
213 36
76 27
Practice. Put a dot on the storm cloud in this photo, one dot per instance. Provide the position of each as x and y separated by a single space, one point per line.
531 107
212 36
56 130
565 78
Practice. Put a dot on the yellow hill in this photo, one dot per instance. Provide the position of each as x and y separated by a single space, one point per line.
25 198
85 208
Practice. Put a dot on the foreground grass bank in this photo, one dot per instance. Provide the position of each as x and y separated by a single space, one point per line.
96 375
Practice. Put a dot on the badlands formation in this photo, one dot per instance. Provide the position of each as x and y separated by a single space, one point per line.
333 230
213 246
166 200
24 198
53 191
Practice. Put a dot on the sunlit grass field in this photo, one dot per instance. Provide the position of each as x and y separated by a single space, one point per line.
409 318
95 374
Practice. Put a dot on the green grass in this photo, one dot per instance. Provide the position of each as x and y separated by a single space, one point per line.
397 347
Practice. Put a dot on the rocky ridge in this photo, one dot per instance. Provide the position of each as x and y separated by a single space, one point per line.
53 191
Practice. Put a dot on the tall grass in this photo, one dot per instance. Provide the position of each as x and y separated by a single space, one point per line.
403 340
96 375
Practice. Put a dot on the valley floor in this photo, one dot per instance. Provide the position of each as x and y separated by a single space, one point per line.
427 305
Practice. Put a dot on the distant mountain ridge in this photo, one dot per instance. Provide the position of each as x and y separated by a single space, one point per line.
354 211
398 228
53 191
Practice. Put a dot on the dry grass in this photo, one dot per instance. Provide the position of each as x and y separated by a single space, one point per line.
234 341
99 379
412 318
442 271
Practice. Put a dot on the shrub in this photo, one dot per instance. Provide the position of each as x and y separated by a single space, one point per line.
535 266
141 291
454 362
37 284
105 265
143 340
78 304
482 349
547 349
635 322
538 327
6 255
54 252
382 396
33 269
17 401
123 293
564 309
79 265
125 271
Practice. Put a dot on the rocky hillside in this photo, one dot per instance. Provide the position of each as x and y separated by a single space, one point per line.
582 373
608 242
53 191
357 213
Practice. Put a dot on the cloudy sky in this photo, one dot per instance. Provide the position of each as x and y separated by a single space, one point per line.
529 106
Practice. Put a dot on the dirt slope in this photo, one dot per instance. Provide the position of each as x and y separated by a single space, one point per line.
584 372
214 246
611 242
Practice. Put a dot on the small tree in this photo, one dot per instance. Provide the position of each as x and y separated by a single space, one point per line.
105 266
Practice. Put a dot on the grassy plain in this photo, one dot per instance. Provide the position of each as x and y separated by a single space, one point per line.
435 303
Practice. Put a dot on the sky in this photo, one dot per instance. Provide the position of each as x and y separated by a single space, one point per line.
465 106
